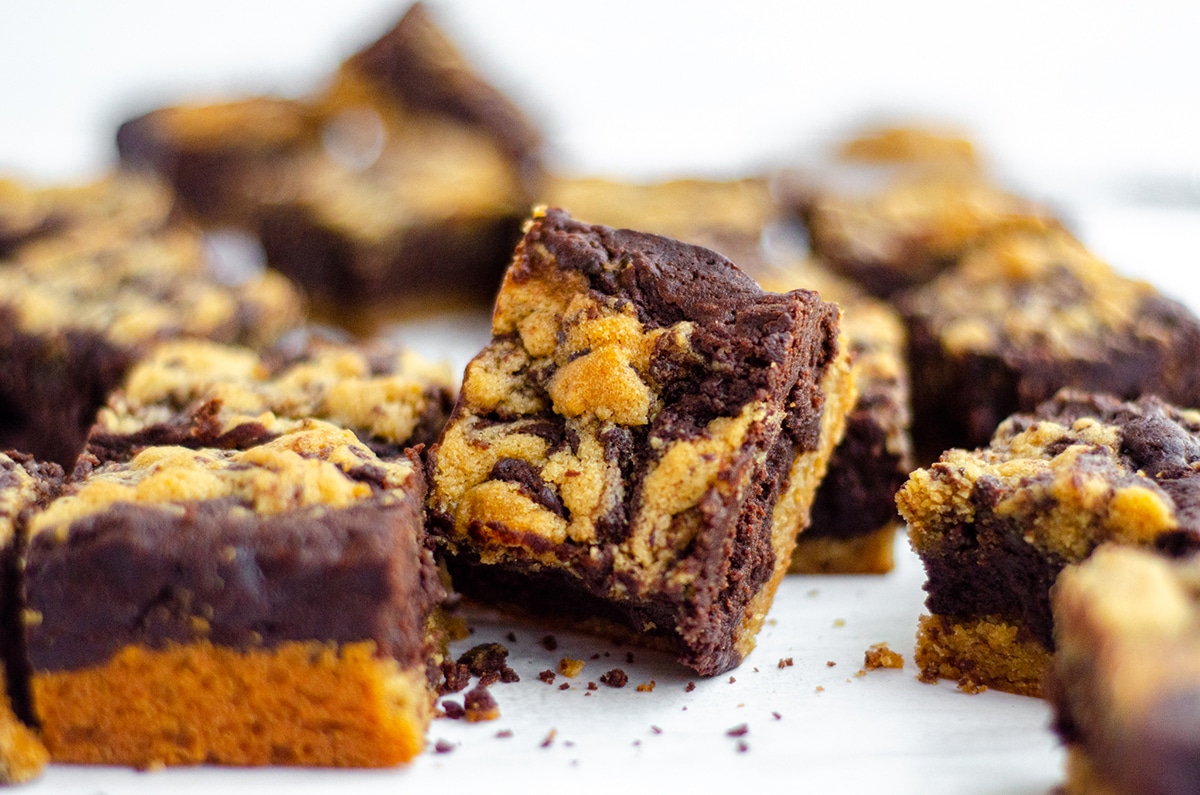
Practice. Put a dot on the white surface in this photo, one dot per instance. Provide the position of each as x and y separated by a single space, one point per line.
1078 102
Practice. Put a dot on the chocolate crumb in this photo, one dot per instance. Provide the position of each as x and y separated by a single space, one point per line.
656 730
480 705
830 663
743 746
546 743
777 716
881 656
596 656
511 637
490 678
690 687
484 659
587 694
741 730
732 680
593 686
646 687
443 747
549 643
547 676
568 743
565 686
785 662
629 657
755 670
508 675
504 734
606 654
453 710
455 678
569 667
615 678
636 743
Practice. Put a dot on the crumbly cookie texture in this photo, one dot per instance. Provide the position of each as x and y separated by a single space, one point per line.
1125 681
25 485
854 518
1027 313
995 526
82 301
197 393
272 605
910 224
639 444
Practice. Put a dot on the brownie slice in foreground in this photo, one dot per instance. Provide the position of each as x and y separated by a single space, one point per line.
1025 314
80 305
1125 683
995 526
197 393
638 446
854 518
276 605
25 485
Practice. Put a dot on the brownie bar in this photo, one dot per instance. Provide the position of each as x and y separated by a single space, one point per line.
995 526
638 446
197 393
854 518
274 605
1125 684
79 306
25 485
402 180
897 226
1025 314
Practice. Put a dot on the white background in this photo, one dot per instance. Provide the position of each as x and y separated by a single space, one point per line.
1093 105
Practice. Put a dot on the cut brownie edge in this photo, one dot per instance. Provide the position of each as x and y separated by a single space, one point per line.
980 653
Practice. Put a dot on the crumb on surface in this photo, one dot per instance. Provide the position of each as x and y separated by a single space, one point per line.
859 674
484 658
741 730
732 680
570 667
455 678
629 657
690 687
820 689
480 705
830 663
881 656
547 676
743 746
453 710
549 643
511 637
646 687
443 747
504 734
777 716
615 678
565 686
593 686
549 740
786 662
839 622
655 729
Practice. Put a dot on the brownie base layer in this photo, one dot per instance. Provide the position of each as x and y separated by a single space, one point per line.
299 703
981 653
870 553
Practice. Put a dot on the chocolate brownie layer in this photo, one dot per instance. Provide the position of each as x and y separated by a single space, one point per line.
854 517
643 435
78 307
1026 314
994 527
1125 684
202 394
300 560
25 485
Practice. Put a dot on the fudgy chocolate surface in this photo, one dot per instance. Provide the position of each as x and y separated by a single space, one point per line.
306 537
1027 314
858 496
628 438
77 307
202 394
1125 684
994 527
